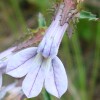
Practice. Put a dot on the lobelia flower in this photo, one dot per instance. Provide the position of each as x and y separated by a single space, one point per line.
41 65
4 56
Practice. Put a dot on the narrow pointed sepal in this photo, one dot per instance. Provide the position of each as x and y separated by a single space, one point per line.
56 82
20 63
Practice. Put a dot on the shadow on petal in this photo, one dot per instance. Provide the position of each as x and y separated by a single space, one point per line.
0 80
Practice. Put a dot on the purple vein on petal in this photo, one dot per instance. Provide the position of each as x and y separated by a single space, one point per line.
54 80
35 78
21 64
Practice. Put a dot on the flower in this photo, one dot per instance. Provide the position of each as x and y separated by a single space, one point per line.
40 65
4 56
39 72
52 39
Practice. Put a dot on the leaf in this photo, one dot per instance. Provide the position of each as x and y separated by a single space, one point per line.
56 82
41 20
87 15
20 63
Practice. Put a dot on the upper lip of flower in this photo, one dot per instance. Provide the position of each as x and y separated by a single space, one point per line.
52 39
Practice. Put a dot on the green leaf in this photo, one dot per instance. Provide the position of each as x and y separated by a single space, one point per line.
87 15
41 20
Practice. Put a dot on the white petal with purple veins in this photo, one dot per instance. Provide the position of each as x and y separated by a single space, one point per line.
33 82
56 82
50 83
22 70
6 52
20 63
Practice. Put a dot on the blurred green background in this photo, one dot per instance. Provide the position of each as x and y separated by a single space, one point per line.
80 54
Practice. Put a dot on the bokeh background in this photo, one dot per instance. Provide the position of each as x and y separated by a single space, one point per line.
80 54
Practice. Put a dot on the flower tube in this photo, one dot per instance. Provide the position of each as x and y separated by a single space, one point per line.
40 65
50 44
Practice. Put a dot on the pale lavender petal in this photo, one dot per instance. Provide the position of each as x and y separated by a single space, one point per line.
33 83
4 56
20 63
22 70
57 40
53 37
50 83
56 82
49 32
50 41
6 52
0 80
2 71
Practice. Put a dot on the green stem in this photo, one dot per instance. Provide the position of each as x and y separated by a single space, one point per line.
8 18
67 57
73 91
96 61
15 5
80 66
67 51
46 95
